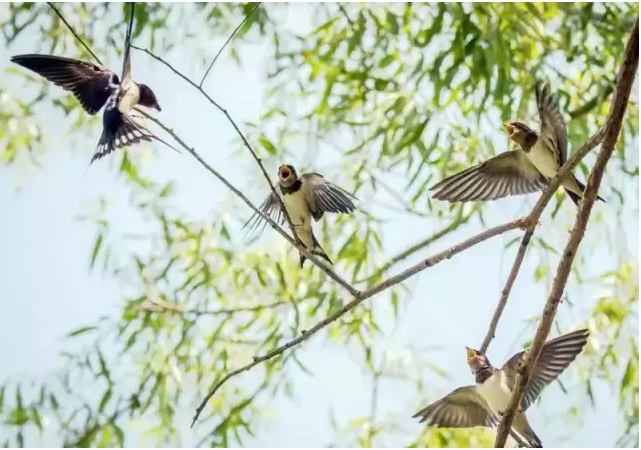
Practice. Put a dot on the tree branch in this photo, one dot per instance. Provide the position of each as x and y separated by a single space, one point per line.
296 242
341 8
328 271
610 135
532 221
590 104
158 305
59 14
459 220
200 85
358 299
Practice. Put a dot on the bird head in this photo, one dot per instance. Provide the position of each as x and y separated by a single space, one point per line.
287 175
148 98
521 134
476 360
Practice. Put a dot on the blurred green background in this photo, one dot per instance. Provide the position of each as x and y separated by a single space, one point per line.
128 288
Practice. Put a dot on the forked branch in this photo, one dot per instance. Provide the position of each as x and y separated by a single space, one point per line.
358 299
610 135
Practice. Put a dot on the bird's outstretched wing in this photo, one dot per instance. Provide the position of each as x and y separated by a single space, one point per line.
556 356
509 173
552 124
91 84
323 196
461 408
270 207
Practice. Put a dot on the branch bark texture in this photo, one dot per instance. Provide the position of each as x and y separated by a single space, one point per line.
611 133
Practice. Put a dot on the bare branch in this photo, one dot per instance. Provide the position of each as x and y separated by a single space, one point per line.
158 305
505 293
328 271
453 226
610 135
78 38
590 104
297 243
532 221
358 299
200 85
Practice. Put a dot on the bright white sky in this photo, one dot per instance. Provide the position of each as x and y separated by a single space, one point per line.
47 288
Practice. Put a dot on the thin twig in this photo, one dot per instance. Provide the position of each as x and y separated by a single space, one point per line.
358 299
200 85
533 220
610 135
328 271
297 243
341 8
590 104
505 293
453 226
158 305
78 38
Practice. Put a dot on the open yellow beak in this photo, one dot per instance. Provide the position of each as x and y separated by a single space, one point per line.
509 128
470 353
284 173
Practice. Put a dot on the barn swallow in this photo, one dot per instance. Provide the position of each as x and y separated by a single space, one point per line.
527 169
483 404
94 86
305 196
90 83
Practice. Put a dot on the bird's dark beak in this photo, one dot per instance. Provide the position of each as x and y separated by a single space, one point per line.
157 107
470 353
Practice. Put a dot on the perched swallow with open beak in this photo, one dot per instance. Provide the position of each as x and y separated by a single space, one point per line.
94 87
483 404
305 196
527 169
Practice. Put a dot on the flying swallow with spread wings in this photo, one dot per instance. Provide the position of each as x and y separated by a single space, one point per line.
527 169
484 403
95 86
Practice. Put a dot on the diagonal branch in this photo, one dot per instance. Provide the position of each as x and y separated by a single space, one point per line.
610 135
358 299
298 244
328 271
159 305
59 14
532 220
200 85
458 221
591 104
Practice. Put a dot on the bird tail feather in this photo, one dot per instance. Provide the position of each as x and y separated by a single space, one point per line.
126 134
316 251
523 428
576 197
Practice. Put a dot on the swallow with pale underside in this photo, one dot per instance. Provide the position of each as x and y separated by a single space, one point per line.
483 404
95 86
305 197
527 169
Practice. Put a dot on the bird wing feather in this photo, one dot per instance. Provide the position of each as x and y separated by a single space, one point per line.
91 84
509 173
553 126
555 357
323 196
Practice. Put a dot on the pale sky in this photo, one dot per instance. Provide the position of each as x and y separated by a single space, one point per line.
47 289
